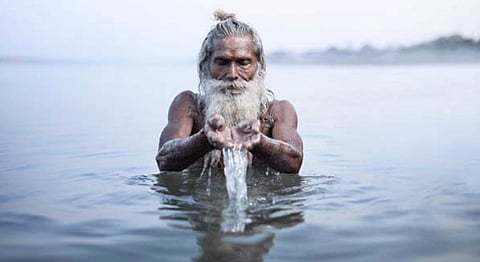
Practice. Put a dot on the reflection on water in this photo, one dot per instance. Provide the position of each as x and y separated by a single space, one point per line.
235 216
231 230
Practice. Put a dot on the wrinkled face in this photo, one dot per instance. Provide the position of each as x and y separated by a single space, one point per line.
233 59
235 88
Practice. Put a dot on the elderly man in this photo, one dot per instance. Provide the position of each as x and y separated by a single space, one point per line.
232 109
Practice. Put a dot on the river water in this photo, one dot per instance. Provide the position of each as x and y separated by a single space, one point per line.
391 169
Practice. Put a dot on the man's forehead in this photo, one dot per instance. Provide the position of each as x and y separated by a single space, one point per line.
238 44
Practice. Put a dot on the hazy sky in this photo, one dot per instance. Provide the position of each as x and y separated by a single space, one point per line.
173 30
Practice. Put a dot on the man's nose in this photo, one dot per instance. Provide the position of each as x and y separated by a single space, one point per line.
232 73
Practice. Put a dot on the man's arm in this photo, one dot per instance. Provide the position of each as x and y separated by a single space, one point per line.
178 148
284 150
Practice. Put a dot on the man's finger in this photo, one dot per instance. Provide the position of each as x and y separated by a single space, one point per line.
217 122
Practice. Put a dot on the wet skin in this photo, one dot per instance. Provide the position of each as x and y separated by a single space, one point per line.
188 137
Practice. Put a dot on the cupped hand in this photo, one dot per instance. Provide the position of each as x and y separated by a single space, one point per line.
218 134
247 133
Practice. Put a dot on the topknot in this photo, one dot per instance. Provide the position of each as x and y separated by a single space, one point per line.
221 15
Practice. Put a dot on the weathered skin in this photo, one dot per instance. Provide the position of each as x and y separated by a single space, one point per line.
187 137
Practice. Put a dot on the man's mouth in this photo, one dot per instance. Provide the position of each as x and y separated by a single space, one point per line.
233 90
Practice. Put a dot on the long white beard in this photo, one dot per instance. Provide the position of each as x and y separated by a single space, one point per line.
217 98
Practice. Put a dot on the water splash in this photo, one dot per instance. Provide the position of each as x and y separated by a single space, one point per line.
236 161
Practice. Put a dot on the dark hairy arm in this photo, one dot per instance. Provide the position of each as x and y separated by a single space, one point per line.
178 148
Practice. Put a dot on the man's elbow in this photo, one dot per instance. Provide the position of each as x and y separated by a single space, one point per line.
293 166
160 162
165 165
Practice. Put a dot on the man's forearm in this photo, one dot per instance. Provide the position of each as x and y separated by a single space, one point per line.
178 154
278 155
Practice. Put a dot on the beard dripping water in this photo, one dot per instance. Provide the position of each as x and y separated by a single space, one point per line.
235 101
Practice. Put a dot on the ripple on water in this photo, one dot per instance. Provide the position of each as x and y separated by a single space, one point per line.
201 202
141 180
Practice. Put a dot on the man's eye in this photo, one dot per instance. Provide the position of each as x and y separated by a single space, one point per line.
244 62
221 61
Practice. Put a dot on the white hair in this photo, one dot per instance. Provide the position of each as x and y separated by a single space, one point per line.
227 26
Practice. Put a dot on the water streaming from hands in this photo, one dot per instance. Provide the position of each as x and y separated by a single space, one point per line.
235 215
236 161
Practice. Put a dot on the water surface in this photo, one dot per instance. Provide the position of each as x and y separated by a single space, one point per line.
391 168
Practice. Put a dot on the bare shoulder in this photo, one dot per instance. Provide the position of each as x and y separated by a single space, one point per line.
183 105
284 111
186 97
281 105
182 117
285 124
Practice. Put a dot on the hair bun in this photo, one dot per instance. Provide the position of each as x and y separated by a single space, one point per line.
221 15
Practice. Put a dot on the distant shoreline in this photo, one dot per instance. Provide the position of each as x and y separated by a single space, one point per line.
449 49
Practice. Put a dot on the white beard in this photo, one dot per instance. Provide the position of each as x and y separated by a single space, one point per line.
234 108
218 98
